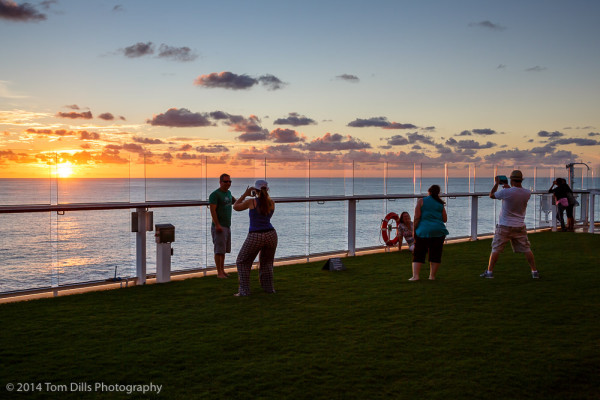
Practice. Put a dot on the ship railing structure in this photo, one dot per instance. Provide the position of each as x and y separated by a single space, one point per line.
587 219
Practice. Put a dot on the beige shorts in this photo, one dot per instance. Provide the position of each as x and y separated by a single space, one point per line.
516 235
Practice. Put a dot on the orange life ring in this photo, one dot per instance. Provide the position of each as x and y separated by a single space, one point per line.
386 229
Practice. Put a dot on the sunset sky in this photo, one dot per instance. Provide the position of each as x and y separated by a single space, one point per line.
100 86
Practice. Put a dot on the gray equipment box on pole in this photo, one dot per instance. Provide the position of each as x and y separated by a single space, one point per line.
165 233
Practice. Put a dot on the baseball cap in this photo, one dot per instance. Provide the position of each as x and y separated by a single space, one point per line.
259 184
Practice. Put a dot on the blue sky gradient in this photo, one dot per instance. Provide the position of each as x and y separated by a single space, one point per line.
513 82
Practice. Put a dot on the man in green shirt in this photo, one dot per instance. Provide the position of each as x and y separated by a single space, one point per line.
220 210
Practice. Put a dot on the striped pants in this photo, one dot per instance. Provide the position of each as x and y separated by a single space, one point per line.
266 244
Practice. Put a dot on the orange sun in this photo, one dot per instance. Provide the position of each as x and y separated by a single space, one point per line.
64 170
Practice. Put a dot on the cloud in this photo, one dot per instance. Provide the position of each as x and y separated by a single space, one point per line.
176 53
336 142
85 135
241 124
485 131
75 115
465 133
72 106
229 80
106 116
469 144
380 122
526 157
20 13
551 135
397 140
594 134
10 155
295 119
275 153
271 82
396 125
214 148
375 121
285 136
487 25
144 140
501 66
537 68
417 137
348 78
577 141
254 136
117 8
139 50
180 118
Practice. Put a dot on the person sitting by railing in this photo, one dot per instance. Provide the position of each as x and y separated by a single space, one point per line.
405 231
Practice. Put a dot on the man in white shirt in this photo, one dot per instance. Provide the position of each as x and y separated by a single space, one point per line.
511 224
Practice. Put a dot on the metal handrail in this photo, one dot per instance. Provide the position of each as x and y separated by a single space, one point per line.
31 208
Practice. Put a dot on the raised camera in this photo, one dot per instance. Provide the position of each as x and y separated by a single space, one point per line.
502 179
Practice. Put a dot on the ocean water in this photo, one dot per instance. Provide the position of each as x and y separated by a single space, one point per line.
48 249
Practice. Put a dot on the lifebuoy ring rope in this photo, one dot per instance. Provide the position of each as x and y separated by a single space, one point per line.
386 229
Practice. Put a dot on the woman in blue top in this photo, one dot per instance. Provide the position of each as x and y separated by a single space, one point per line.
262 238
430 232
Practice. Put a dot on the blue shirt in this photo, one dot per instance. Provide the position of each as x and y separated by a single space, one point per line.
258 221
431 223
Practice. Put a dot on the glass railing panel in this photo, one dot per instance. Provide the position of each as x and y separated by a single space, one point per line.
25 251
290 220
458 210
191 237
328 226
84 182
458 178
330 178
94 245
487 215
287 178
399 178
483 177
369 215
17 191
432 174
369 178
166 179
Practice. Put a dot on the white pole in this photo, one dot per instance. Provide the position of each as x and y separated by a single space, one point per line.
474 215
140 247
351 227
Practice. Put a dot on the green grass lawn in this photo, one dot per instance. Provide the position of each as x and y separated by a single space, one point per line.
364 333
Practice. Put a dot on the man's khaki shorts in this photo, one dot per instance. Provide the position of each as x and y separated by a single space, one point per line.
516 235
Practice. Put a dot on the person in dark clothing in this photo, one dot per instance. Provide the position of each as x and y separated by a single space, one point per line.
563 196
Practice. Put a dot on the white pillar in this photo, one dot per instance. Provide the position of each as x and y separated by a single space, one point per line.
474 215
140 247
351 227
591 226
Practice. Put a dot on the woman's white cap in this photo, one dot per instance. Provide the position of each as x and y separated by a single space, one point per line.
259 184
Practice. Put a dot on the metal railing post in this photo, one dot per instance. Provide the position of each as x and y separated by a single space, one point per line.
592 217
474 216
554 214
140 247
351 227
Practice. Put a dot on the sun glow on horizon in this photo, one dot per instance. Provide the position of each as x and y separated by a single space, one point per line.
64 170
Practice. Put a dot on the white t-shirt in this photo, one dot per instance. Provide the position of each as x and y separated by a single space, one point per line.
514 206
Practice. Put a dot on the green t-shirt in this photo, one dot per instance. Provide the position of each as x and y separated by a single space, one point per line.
223 200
